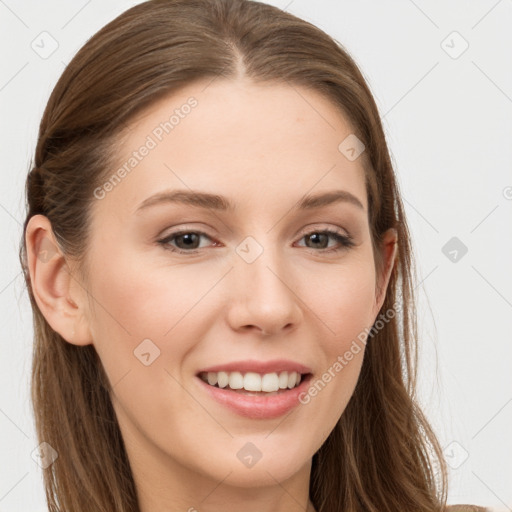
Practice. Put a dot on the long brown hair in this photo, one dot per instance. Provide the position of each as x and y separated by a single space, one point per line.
382 455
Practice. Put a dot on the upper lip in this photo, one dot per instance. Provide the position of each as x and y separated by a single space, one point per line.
275 366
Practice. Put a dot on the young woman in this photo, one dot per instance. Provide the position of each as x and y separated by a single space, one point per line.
220 272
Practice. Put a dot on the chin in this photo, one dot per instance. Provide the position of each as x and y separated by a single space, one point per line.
267 465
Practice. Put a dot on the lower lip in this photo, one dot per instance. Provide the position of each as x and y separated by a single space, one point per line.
258 407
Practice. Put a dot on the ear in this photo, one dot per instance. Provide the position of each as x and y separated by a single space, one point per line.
59 295
388 248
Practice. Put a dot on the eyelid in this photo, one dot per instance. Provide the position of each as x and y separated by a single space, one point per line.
322 228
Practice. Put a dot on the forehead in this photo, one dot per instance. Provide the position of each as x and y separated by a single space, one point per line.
238 139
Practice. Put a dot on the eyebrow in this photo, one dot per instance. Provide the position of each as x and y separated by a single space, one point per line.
217 202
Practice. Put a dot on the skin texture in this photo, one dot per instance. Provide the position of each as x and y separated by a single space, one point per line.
263 147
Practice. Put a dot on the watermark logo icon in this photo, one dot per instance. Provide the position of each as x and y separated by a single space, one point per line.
454 45
351 147
45 45
455 455
44 455
146 352
454 249
46 250
249 455
249 249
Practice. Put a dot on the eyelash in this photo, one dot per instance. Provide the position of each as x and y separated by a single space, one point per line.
346 241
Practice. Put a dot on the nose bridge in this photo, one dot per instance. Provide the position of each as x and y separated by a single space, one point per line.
264 287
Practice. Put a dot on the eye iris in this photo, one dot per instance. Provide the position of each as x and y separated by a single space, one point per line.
192 239
318 237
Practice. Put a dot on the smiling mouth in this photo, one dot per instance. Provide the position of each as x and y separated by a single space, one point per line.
252 383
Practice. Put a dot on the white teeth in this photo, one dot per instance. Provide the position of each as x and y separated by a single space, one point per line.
236 380
270 382
222 379
251 381
292 379
283 380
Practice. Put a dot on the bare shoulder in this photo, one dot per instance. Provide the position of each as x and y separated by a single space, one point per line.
466 508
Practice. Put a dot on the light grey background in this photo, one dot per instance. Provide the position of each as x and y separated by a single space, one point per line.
448 120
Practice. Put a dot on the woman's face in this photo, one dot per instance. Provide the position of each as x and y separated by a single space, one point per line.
256 286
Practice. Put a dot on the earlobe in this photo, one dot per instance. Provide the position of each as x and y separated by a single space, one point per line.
52 283
389 250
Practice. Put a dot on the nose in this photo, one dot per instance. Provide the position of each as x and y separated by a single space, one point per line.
264 296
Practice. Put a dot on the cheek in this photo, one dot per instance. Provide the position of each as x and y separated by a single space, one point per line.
147 319
144 326
344 301
131 307
344 305
138 300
